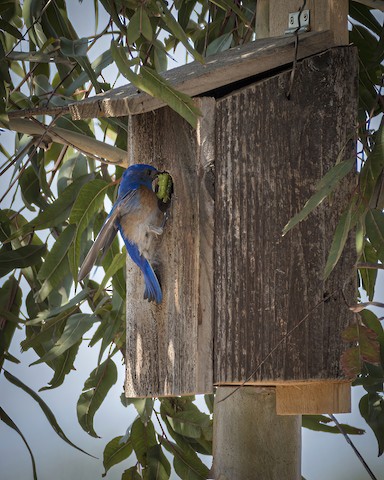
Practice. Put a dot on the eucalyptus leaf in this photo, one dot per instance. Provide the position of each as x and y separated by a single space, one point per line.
75 327
115 452
95 390
338 242
8 421
20 258
326 186
44 408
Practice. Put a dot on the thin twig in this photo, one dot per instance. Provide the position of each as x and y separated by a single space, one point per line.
293 71
349 441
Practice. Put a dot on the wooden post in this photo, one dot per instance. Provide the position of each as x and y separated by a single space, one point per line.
250 441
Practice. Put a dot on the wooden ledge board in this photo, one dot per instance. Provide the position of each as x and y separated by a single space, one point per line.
195 78
308 397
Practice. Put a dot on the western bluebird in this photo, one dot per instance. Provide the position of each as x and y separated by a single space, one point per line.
136 214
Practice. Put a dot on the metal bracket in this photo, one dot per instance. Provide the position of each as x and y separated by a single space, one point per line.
296 26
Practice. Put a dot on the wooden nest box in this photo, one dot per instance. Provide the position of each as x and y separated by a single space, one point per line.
241 302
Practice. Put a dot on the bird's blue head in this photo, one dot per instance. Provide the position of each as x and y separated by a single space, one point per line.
137 175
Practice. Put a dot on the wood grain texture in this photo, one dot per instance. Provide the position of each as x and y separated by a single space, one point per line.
325 15
169 346
196 79
313 398
250 441
270 153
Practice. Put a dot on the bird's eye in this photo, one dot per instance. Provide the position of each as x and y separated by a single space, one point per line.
149 172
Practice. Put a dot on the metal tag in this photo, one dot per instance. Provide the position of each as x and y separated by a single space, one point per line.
294 25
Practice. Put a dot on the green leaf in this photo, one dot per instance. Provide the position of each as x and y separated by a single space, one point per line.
158 465
117 263
368 275
189 423
369 347
374 224
95 390
7 27
76 326
116 451
57 212
62 366
326 185
220 44
56 266
363 14
228 5
131 474
66 307
152 83
89 200
74 48
177 31
20 258
10 303
139 24
320 423
338 242
142 437
145 25
8 421
158 87
372 410
45 409
186 462
30 187
144 407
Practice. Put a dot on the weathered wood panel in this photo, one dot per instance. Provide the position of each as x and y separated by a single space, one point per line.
270 153
169 347
195 78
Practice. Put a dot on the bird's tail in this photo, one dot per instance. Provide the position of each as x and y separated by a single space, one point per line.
152 286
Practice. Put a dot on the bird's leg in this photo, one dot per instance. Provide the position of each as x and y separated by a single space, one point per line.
154 229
